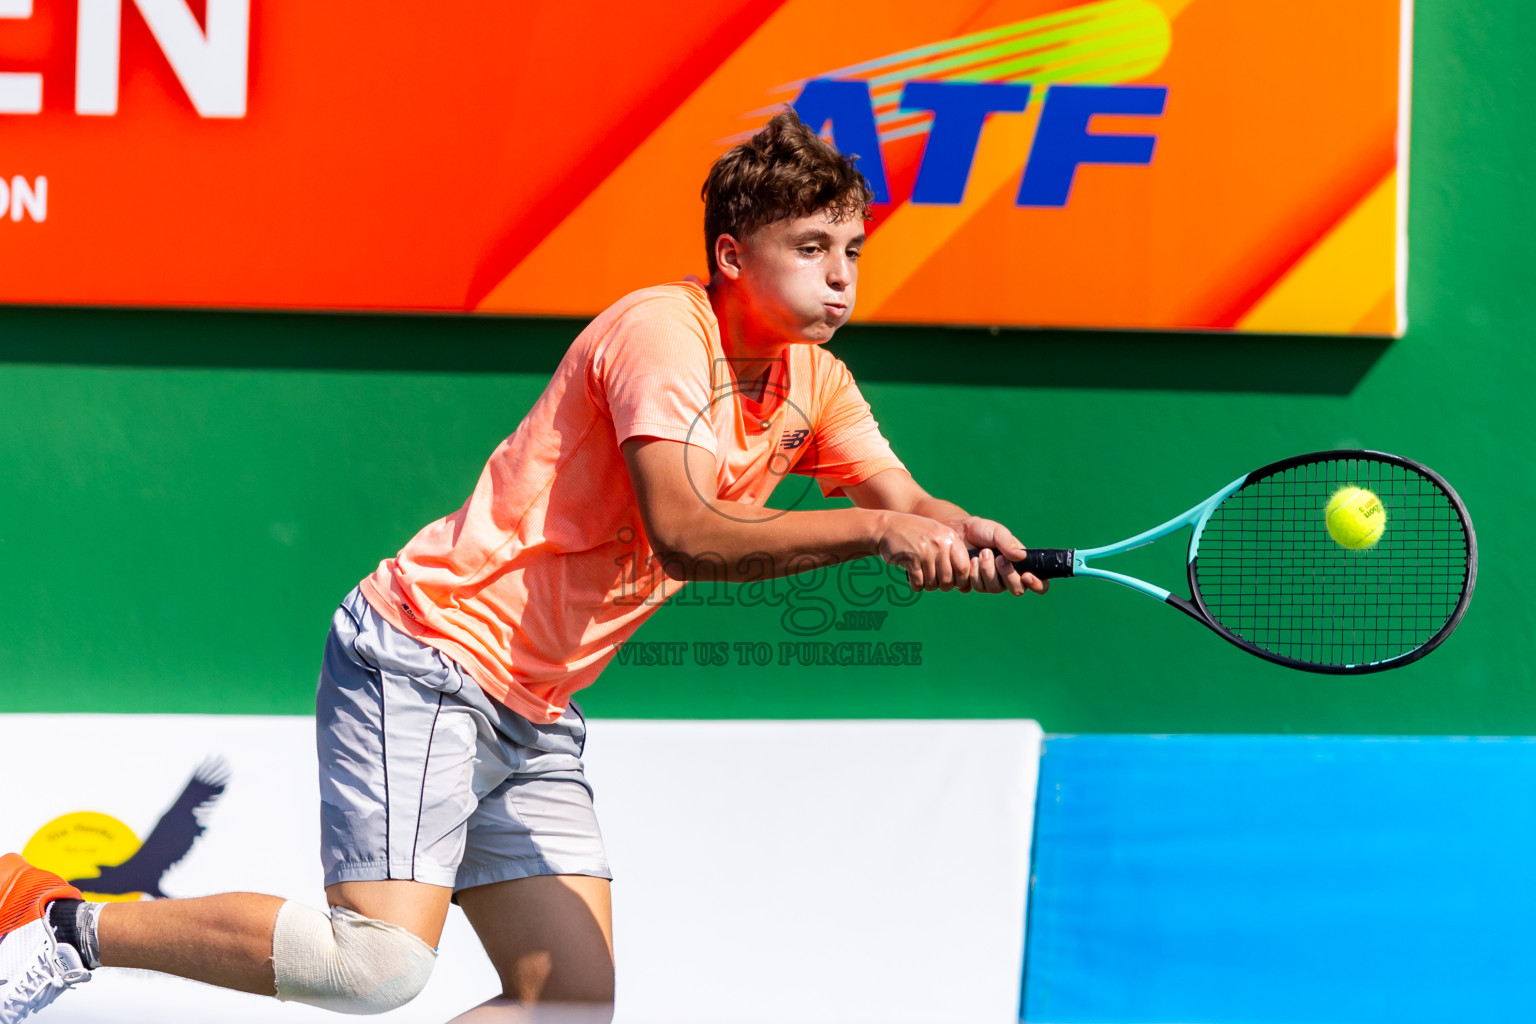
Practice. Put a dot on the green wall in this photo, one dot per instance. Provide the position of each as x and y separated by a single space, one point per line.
184 497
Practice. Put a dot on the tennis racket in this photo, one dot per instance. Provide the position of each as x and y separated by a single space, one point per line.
1265 574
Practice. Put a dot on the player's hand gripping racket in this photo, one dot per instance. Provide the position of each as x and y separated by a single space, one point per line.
1267 573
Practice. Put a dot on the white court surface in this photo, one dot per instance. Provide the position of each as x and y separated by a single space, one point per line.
808 871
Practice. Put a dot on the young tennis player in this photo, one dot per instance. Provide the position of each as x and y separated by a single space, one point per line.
450 749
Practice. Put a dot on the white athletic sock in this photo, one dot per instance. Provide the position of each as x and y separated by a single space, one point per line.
86 916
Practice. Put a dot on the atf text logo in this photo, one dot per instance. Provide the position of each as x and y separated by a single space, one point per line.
945 91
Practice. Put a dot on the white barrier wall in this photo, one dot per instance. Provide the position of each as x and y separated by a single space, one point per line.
814 871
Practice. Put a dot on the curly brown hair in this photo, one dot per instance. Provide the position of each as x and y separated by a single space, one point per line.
785 170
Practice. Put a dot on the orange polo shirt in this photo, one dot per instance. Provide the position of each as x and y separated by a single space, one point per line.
545 571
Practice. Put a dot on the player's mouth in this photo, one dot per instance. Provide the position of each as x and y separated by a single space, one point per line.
836 308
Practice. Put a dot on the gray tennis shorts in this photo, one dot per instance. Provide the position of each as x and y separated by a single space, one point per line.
424 777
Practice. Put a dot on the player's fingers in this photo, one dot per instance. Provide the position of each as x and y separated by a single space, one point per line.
959 560
970 582
910 563
988 533
1035 583
942 573
984 572
1009 576
1007 543
962 565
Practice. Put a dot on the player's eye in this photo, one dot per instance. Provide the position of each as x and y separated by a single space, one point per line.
853 254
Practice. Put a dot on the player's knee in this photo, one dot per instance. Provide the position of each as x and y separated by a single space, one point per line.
346 962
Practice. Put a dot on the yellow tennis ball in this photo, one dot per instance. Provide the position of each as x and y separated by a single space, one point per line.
1355 517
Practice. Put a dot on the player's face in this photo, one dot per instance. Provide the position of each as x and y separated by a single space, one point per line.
800 275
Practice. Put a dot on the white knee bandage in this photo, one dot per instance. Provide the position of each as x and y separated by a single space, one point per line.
347 962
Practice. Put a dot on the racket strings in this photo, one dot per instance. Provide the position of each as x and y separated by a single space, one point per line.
1269 572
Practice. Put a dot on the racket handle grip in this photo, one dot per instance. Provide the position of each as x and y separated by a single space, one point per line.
1045 563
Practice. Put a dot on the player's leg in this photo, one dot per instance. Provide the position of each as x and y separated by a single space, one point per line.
389 887
534 882
400 777
50 938
551 940
416 906
550 937
397 759
395 766
235 932
232 946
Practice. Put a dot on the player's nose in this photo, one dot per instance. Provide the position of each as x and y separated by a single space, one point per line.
840 271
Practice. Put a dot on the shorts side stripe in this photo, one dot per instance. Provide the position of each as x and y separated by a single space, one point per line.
384 761
426 767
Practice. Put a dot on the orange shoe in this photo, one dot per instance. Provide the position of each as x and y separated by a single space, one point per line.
26 891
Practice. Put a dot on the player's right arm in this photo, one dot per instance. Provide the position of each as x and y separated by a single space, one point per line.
693 534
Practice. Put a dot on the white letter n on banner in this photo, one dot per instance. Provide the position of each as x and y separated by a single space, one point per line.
211 66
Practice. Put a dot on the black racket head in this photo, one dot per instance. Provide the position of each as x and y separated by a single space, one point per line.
1266 575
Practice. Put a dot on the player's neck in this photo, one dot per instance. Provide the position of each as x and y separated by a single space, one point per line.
751 348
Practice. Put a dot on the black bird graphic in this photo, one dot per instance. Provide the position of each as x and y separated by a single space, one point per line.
169 841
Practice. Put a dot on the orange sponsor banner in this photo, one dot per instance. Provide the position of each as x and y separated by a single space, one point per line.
1162 164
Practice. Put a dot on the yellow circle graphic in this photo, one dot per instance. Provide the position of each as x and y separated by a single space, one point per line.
77 845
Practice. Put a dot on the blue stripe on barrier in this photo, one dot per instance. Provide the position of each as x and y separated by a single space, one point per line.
1283 879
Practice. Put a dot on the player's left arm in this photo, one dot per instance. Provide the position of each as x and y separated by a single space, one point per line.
992 569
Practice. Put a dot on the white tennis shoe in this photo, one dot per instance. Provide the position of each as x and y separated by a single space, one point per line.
34 969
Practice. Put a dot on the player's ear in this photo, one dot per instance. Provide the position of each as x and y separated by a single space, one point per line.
728 256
